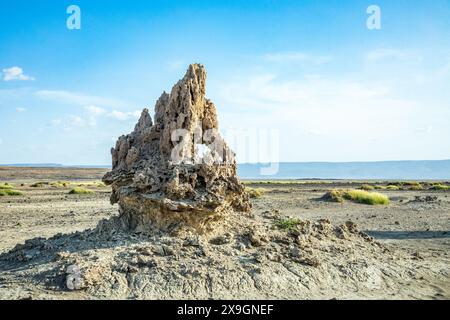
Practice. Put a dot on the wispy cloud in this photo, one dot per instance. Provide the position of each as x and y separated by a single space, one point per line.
296 57
95 111
311 108
267 91
176 65
91 116
445 69
393 54
315 132
70 122
79 99
76 121
15 73
124 116
56 122
21 109
330 116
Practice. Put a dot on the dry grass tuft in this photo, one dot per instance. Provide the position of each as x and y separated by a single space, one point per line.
9 192
78 190
360 196
255 192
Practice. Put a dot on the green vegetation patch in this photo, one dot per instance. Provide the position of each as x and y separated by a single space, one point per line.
255 192
392 187
360 196
288 224
440 186
9 192
97 184
411 184
40 184
5 185
417 187
335 195
367 187
78 190
60 184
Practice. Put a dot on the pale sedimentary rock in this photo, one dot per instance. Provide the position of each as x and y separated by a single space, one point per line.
161 179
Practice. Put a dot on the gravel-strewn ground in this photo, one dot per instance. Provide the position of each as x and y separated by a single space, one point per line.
413 260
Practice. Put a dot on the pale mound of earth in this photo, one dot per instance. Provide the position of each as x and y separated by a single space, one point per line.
247 257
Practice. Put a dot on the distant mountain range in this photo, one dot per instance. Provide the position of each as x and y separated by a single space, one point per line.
34 165
51 165
402 170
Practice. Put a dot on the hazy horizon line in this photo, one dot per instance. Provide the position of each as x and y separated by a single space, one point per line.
50 164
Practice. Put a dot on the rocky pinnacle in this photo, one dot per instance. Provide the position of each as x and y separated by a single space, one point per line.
160 179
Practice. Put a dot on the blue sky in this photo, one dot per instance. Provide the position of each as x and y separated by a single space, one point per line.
333 89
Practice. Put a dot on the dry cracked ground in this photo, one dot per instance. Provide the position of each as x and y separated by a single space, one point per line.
44 247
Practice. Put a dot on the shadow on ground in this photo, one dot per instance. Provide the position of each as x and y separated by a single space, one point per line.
38 251
401 235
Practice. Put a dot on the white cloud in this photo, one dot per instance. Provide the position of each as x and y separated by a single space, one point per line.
1 140
267 91
91 116
79 99
331 117
76 121
124 116
379 54
69 122
56 122
119 115
95 111
444 70
15 73
296 57
21 109
176 64
446 67
316 132
396 54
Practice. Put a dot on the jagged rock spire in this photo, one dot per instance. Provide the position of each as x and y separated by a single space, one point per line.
153 188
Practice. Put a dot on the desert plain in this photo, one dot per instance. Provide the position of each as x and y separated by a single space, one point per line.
414 228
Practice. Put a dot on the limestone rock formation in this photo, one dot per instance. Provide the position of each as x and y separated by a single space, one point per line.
178 170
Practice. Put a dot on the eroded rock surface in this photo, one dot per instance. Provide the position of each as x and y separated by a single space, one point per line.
161 179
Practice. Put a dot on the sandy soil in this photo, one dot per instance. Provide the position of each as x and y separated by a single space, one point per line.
417 232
